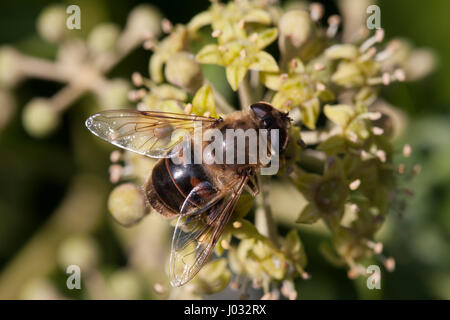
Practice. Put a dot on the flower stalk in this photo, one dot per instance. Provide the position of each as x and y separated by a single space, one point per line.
245 93
264 221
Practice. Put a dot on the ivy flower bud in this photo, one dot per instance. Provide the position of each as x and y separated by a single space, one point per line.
9 73
114 94
420 63
126 204
295 29
103 37
80 250
182 70
145 20
40 118
51 23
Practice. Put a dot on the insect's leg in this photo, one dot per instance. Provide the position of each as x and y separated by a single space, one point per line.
200 198
252 185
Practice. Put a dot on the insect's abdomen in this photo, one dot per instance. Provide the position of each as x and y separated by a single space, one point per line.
171 183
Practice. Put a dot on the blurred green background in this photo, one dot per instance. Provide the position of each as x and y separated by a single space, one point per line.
36 175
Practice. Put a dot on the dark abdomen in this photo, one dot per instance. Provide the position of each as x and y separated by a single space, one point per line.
171 183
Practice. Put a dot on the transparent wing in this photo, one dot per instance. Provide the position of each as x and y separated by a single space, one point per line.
150 133
196 235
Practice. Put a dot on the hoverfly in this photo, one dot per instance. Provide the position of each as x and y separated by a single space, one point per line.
202 196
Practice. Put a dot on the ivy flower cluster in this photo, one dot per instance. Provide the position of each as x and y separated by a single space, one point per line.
340 155
340 158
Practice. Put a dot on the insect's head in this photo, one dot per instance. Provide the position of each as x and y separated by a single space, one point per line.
268 117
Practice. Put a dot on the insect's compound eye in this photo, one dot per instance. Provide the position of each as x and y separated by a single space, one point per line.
261 110
268 122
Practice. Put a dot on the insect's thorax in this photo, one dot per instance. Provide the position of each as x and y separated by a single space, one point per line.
238 146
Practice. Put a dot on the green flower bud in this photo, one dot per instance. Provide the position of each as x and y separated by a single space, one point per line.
126 204
9 73
295 29
40 118
125 285
115 94
51 23
104 37
145 19
182 70
80 250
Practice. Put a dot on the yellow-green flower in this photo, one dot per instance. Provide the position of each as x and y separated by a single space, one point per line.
350 245
228 21
239 56
355 68
298 88
353 121
326 194
257 258
177 41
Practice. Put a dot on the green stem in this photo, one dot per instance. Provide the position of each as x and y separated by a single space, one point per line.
256 85
222 103
264 221
245 93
